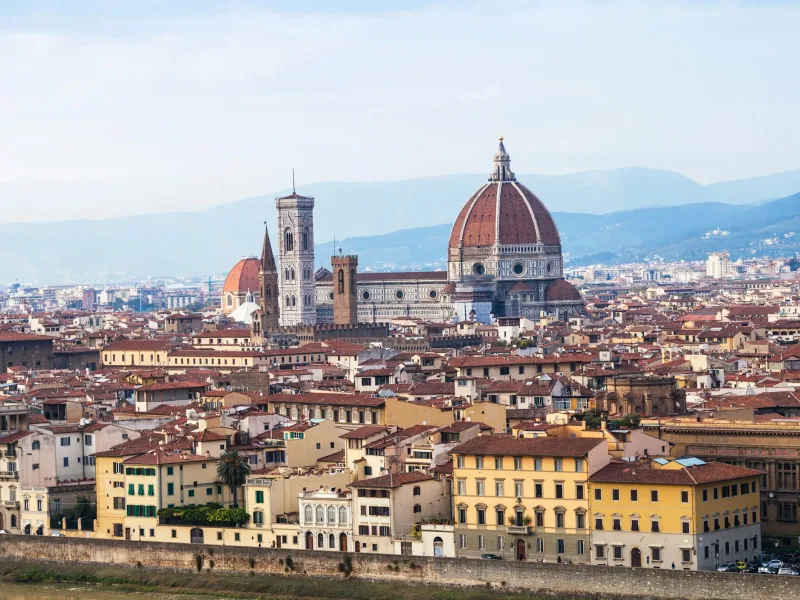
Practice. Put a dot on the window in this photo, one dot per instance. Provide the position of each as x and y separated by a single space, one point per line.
615 495
461 486
617 524
655 553
580 520
478 462
500 515
559 490
580 548
653 495
686 555
499 488
560 546
654 526
462 541
540 545
501 542
538 489
504 371
460 462
538 514
617 552
462 515
537 464
685 527
598 523
560 519
684 497
579 465
787 511
498 463
480 487
634 495
481 542
481 512
634 524
66 441
518 489
599 551
558 464
517 463
598 494
579 491
260 497
66 461
705 495
170 489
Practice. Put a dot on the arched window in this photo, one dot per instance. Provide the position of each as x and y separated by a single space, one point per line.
342 515
320 514
288 302
291 273
294 300
288 240
331 515
331 541
267 292
309 517
320 541
341 281
230 300
304 240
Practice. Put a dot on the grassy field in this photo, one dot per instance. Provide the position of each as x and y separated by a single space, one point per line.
260 587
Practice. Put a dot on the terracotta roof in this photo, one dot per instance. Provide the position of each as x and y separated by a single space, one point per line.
504 213
422 276
336 457
392 481
165 458
542 446
624 472
364 432
243 277
15 336
331 399
138 345
446 468
562 291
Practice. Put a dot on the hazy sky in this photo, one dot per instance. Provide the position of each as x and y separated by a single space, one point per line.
119 107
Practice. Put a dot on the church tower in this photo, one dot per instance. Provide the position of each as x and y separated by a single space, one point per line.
296 253
268 282
345 299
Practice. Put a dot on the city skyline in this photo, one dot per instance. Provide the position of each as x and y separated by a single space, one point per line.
112 111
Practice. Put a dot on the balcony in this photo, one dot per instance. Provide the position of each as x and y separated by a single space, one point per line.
10 504
519 529
9 474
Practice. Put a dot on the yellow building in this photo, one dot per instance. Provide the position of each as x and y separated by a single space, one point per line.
674 514
138 353
525 498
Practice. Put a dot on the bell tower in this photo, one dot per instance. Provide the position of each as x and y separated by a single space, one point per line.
268 282
296 253
345 289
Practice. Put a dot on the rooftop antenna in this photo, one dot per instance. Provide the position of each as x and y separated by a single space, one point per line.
293 188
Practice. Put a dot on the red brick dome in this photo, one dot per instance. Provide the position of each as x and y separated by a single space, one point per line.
503 211
562 291
243 277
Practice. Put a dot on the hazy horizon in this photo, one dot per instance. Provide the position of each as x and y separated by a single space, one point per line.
112 109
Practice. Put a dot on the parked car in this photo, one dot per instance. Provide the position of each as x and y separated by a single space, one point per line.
3 532
727 568
768 568
753 567
786 571
491 557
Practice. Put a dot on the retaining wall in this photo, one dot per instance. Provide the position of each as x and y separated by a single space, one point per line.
553 578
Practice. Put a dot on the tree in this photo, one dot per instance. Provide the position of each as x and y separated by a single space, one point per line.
233 470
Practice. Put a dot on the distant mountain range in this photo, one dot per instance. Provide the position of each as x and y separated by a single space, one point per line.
668 215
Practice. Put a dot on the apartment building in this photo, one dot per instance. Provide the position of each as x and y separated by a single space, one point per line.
680 514
525 498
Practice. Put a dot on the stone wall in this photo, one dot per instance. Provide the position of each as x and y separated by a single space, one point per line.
553 578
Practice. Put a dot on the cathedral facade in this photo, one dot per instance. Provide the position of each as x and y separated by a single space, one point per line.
503 260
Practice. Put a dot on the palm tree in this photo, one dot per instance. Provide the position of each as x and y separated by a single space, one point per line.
232 470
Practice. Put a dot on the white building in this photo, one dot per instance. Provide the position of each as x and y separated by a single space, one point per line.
718 265
296 255
326 517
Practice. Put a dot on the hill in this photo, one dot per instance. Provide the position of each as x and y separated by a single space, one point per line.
671 215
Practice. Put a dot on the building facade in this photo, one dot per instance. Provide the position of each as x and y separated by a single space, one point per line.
296 255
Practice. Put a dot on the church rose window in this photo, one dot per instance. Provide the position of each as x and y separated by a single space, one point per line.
399 294
432 294
365 295
478 269
519 269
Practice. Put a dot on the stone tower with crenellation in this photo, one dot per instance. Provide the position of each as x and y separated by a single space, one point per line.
296 253
345 298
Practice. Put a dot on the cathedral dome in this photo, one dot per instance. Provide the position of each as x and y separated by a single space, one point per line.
243 277
503 212
562 291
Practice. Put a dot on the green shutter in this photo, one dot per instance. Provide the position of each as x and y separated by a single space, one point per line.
170 489
151 490
260 497
130 489
141 489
